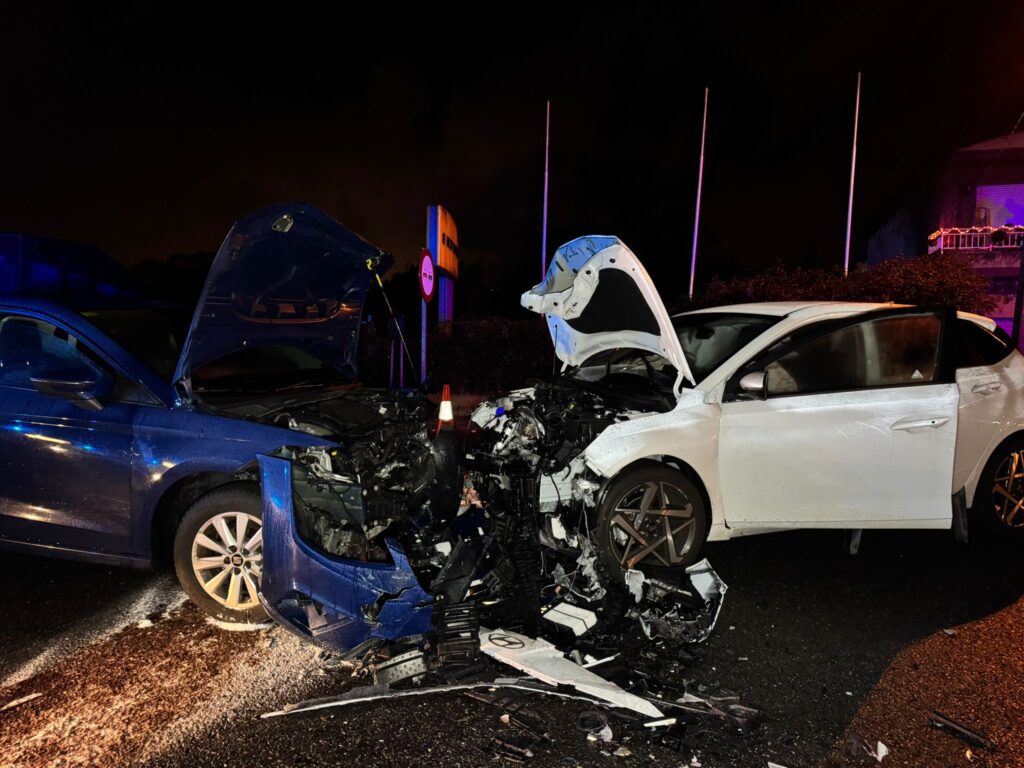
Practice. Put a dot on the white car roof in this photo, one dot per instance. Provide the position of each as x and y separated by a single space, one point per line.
810 309
804 308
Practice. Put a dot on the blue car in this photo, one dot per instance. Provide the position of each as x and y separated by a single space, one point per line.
130 431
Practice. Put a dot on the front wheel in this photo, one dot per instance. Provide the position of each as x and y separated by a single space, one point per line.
218 553
654 516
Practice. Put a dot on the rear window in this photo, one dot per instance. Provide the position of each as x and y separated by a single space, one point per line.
979 346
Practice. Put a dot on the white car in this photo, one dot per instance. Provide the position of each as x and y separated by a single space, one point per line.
665 432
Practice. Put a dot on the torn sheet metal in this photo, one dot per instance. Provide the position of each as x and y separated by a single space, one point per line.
542 660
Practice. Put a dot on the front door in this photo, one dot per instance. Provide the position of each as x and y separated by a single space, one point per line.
66 476
857 429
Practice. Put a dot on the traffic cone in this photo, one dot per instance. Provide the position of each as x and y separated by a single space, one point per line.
445 416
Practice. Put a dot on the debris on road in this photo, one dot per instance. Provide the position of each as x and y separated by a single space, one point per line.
969 735
19 702
858 745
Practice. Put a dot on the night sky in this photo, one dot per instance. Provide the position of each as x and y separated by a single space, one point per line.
147 132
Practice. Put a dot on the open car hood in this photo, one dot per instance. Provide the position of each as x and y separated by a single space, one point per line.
597 296
285 274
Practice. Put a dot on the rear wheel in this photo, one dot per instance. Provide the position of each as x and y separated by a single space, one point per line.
999 500
651 516
218 553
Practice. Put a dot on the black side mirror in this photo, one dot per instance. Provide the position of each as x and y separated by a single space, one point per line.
82 386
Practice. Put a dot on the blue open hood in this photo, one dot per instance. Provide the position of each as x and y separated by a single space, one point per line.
285 274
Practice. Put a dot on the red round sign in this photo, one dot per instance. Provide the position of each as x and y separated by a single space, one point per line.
427 275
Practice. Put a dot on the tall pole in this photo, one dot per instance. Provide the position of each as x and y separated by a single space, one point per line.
853 171
544 225
700 184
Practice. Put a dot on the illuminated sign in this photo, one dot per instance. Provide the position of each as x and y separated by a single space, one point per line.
427 281
447 245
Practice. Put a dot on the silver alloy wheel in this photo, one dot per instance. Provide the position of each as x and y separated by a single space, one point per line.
652 523
227 559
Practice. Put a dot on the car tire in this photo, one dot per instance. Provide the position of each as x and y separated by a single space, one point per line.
629 536
218 573
992 499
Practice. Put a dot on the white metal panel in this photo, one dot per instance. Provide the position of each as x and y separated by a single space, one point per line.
867 458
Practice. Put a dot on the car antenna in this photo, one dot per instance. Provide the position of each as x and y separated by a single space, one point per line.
371 264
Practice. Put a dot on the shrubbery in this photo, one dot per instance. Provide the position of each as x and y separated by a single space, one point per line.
933 280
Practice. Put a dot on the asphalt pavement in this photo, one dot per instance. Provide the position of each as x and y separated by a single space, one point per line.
112 668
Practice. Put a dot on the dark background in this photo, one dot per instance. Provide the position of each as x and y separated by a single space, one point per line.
148 131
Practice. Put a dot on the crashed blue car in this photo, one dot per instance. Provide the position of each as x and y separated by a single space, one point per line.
130 430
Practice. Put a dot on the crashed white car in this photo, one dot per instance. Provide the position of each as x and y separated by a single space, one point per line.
665 432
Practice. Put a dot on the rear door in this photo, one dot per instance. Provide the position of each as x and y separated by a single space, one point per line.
857 427
986 375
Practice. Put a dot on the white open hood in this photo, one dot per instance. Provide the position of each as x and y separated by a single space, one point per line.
597 296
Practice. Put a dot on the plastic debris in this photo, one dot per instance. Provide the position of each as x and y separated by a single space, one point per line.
858 745
971 736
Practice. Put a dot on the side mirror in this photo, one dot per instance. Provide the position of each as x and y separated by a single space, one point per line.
81 386
753 383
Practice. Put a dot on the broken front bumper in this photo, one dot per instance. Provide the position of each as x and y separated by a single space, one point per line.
338 604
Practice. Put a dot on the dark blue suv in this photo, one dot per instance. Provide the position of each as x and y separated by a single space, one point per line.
129 433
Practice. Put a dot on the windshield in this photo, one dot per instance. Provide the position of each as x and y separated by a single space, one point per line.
154 336
266 369
709 339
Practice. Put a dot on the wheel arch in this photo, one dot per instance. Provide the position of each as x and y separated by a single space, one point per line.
172 505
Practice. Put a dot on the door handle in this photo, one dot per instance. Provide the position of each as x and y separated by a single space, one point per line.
911 425
987 387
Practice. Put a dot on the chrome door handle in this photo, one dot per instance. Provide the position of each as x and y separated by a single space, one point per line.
987 388
930 422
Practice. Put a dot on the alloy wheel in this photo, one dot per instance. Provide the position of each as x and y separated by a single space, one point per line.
652 523
227 559
1008 490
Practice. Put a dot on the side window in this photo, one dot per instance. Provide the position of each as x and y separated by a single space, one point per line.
885 352
979 346
30 347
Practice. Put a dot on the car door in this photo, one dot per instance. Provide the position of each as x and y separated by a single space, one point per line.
986 373
856 427
66 470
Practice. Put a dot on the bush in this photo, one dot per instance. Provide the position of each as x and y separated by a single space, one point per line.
933 280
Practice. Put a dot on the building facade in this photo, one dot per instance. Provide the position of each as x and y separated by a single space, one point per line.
981 215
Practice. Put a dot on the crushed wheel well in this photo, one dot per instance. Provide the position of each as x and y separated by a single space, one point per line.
173 505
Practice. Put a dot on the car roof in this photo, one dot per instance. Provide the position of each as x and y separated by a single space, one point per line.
810 309
784 308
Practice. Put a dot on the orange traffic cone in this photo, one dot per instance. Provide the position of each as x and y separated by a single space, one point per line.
445 416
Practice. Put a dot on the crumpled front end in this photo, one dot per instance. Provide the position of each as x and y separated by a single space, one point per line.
364 566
